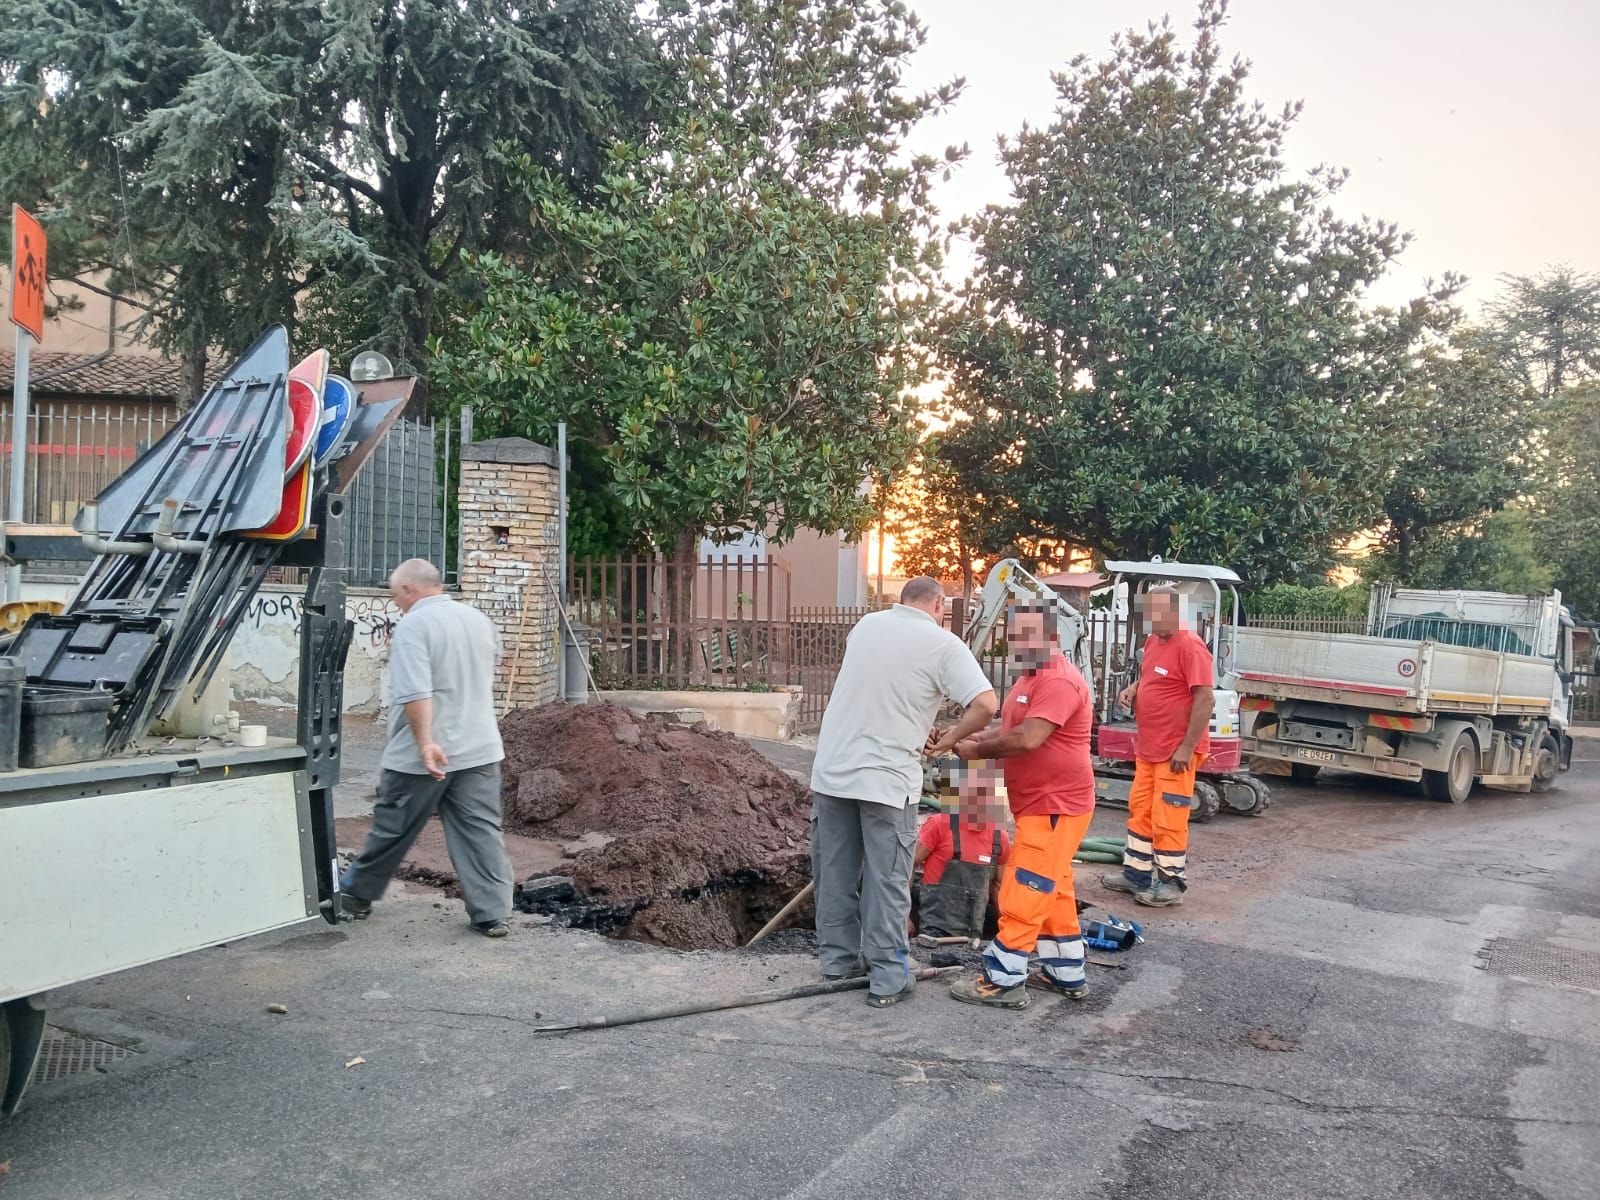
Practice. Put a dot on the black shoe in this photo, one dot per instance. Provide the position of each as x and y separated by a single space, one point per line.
353 908
496 928
855 972
876 1001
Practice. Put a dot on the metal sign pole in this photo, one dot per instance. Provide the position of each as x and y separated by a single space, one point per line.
19 452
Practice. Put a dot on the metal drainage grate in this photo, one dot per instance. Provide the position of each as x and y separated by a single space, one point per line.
64 1053
1542 962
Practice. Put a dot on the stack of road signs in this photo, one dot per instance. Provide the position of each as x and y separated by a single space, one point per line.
188 534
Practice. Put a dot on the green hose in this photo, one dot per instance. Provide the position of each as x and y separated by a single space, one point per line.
1106 850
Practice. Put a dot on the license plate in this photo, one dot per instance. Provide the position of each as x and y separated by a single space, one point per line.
1318 755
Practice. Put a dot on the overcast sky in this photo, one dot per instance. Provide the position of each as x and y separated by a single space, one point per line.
1471 123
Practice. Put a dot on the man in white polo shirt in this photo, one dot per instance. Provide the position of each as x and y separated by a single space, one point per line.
443 755
899 667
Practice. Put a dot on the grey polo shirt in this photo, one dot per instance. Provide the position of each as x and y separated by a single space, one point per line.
447 651
900 665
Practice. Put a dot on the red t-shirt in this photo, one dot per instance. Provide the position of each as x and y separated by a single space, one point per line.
1057 777
1173 667
977 845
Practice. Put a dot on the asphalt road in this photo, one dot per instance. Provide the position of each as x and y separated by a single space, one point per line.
1367 995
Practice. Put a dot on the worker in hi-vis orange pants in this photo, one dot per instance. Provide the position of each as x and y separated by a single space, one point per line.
1043 745
1172 702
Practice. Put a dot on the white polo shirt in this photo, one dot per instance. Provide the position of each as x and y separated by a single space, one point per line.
445 651
900 665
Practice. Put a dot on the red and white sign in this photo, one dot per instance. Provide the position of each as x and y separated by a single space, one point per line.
27 272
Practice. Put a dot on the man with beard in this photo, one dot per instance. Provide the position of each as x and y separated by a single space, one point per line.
1043 742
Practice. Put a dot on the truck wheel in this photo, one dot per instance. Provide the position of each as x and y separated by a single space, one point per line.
1207 800
1304 772
1454 783
1546 763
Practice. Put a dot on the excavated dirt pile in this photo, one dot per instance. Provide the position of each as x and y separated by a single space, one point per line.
679 836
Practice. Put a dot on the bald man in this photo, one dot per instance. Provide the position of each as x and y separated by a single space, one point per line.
443 753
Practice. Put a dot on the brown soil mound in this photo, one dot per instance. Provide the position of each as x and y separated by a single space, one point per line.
680 836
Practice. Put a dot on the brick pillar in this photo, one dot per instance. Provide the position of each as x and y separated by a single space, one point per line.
509 565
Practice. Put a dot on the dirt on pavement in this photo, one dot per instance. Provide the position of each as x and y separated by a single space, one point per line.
680 836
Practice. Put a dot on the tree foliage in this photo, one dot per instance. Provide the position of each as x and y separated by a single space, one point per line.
733 321
1549 327
1498 554
1464 453
1566 506
1167 334
1308 600
222 160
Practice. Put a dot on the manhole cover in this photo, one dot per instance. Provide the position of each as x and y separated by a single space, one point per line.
1542 962
66 1053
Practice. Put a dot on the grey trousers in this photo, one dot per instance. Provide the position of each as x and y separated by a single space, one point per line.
861 861
468 802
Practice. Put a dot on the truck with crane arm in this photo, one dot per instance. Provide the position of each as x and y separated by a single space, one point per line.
134 825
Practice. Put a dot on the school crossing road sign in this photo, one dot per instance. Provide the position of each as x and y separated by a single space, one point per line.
27 272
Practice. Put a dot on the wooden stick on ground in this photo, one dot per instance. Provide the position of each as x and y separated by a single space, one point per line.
784 913
704 1006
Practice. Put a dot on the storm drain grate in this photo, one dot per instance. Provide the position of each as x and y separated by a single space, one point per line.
1542 962
64 1053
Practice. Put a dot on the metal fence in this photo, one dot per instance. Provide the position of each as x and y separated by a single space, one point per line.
75 449
658 624
401 505
1585 698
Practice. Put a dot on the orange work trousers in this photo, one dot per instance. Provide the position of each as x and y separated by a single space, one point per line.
1038 907
1158 822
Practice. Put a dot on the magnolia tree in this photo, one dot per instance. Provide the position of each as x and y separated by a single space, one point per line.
733 326
1166 340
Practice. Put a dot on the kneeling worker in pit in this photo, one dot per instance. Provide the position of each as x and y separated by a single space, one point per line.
1043 743
960 854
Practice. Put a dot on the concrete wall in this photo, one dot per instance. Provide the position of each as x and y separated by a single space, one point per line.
772 715
264 660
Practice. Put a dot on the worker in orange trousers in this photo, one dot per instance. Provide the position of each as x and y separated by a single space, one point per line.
1043 743
1172 701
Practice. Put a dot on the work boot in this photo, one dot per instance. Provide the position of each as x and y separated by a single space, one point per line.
1045 982
496 928
855 972
353 908
978 990
1118 882
876 1001
1163 893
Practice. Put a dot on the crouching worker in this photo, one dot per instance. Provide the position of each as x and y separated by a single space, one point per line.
1043 742
960 854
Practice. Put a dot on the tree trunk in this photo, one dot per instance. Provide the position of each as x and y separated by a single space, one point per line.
680 605
1402 552
192 378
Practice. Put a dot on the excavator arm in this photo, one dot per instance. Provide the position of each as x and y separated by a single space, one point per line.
1008 583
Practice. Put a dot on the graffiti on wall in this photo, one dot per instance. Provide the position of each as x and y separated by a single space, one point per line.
374 616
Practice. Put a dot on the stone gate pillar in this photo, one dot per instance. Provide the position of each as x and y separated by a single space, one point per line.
510 545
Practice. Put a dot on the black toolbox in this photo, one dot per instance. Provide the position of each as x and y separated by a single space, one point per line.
63 725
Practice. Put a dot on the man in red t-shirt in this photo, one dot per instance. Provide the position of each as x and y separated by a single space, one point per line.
1172 702
1044 742
960 853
